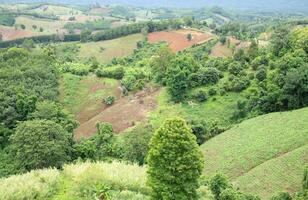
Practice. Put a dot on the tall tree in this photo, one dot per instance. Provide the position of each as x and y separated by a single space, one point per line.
174 162
40 144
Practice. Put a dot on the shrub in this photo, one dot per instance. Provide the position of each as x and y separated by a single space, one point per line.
109 100
218 183
282 196
75 68
212 91
208 76
261 74
200 95
116 72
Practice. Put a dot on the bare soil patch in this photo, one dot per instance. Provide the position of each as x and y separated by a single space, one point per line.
177 40
123 114
9 33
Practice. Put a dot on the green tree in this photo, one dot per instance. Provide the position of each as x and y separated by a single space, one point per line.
1 37
22 26
223 40
174 162
28 44
189 37
85 35
40 144
218 183
49 110
280 41
177 86
305 179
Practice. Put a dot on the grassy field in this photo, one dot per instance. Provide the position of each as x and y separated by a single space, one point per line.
56 10
49 26
83 96
218 108
256 153
105 51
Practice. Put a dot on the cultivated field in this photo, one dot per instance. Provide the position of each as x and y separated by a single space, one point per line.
177 40
124 113
105 51
271 148
226 50
10 33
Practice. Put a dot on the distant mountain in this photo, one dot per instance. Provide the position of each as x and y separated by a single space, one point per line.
273 5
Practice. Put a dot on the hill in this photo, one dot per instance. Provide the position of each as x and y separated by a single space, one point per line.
263 155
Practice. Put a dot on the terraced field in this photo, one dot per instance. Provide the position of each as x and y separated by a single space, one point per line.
262 155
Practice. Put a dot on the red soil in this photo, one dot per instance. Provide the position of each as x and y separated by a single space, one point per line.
12 34
177 40
124 113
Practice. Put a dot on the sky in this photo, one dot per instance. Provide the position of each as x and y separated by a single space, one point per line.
279 5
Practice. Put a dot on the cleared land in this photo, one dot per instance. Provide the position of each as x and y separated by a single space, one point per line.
177 40
105 51
262 148
83 96
10 33
49 26
225 50
124 113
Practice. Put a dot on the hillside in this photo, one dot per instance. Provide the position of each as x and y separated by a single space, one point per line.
263 155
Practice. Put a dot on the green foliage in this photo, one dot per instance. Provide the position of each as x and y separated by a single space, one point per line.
134 79
116 72
40 144
25 78
174 162
280 41
218 183
89 25
49 110
109 100
7 19
98 147
135 143
75 68
282 196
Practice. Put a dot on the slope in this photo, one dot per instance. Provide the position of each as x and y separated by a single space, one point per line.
254 147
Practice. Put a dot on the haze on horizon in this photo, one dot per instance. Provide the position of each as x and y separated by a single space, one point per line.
266 5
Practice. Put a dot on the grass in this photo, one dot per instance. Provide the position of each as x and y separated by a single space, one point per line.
82 181
38 184
281 179
251 149
49 26
105 51
77 92
217 108
56 10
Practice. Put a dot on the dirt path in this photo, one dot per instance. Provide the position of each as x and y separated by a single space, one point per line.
122 114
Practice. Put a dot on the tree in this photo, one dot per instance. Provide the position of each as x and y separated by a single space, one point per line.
160 62
49 110
34 26
41 29
85 35
40 144
253 49
218 183
305 179
174 162
22 26
223 40
177 86
28 44
279 41
189 37
1 37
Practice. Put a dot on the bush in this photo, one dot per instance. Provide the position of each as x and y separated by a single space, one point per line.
116 72
261 74
135 143
75 68
218 183
134 79
109 100
235 68
208 76
200 95
212 91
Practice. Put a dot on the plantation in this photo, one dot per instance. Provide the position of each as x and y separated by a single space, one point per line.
113 102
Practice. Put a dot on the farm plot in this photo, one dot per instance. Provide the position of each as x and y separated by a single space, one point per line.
10 33
178 40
